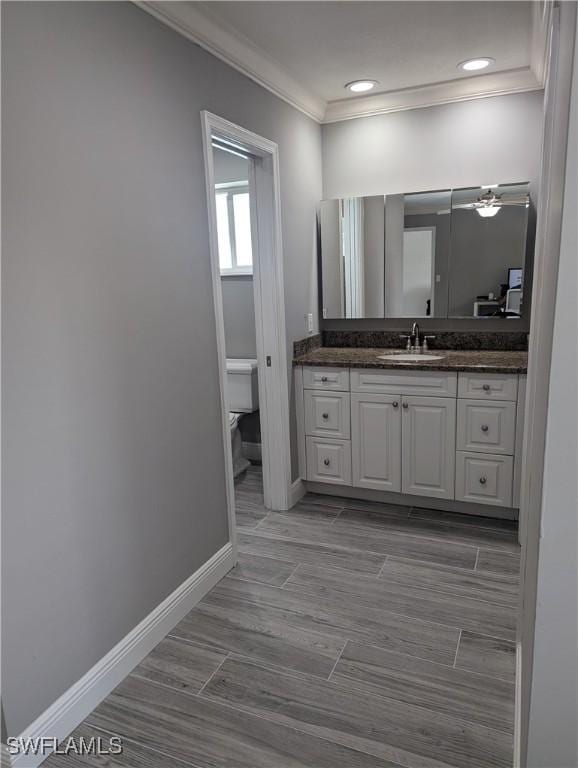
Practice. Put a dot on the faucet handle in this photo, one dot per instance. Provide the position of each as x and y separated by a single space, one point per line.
425 344
407 337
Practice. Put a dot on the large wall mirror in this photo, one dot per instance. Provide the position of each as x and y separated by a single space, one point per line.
445 253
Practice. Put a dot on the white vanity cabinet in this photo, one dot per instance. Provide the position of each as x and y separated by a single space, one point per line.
434 434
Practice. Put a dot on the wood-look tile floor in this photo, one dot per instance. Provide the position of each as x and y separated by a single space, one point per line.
350 635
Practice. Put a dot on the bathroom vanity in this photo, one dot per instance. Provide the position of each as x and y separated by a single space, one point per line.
444 432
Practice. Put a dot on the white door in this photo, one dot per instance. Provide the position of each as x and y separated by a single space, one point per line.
428 446
376 441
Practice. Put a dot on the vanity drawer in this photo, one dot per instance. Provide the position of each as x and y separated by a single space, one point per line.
327 414
488 386
329 461
484 478
390 382
486 427
326 378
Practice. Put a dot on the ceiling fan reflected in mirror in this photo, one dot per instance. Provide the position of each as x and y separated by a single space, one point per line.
489 203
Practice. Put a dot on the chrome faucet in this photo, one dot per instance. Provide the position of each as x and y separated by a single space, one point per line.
415 334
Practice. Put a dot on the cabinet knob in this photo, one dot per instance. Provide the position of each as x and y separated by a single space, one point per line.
486 387
326 462
405 405
395 404
483 481
324 378
326 416
484 427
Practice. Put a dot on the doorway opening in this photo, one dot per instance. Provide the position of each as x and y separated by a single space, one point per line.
243 199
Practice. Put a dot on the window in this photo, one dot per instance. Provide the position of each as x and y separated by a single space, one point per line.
234 228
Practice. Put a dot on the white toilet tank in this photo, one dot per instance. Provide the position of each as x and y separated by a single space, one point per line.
242 385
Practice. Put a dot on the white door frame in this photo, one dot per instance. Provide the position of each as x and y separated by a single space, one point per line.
562 23
269 310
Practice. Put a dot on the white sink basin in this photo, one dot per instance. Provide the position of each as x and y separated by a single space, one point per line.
407 357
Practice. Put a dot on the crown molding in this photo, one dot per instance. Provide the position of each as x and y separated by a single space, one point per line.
236 51
541 25
464 89
194 21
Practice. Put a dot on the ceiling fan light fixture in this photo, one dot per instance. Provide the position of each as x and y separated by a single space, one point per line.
474 65
488 211
361 86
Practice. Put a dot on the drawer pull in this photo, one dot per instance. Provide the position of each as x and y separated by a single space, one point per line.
483 481
486 387
325 415
326 462
405 405
324 379
395 404
484 427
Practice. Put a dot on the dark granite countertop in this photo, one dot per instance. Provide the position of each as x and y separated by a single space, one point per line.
480 361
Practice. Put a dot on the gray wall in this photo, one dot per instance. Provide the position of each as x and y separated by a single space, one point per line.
239 316
553 740
113 460
434 148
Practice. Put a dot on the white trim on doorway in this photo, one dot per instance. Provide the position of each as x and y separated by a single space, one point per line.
269 310
561 29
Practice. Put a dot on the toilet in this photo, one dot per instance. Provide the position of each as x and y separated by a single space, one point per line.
242 398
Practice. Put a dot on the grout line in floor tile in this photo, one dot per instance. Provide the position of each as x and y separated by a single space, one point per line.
461 523
378 576
437 589
290 575
392 612
500 551
343 686
337 660
211 676
457 649
422 537
195 643
337 516
263 519
295 729
458 526
273 535
375 577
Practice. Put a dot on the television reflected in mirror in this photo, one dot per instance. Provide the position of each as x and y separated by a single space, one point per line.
443 253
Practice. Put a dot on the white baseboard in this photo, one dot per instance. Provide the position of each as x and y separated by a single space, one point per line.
68 711
5 758
298 490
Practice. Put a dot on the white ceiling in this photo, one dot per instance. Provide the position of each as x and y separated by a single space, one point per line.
403 45
306 51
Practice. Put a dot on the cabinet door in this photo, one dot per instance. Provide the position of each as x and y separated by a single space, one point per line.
376 441
428 446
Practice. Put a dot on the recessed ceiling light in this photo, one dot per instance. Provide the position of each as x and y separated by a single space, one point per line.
361 86
472 65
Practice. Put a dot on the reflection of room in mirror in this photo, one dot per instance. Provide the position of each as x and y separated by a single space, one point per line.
444 253
488 252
